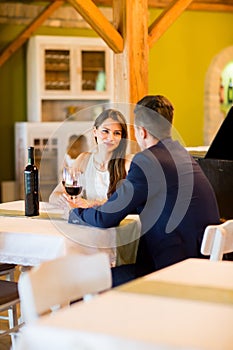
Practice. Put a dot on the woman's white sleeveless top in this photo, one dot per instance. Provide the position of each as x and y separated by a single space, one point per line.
96 182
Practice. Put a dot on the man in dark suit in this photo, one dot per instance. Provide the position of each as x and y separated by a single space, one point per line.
168 190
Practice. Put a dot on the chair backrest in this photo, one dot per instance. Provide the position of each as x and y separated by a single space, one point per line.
57 282
218 240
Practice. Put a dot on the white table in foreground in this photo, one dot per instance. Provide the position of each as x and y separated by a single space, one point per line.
29 241
123 320
196 279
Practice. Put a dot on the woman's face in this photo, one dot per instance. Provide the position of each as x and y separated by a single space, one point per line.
109 134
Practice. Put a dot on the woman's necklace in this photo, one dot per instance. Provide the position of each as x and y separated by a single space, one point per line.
101 166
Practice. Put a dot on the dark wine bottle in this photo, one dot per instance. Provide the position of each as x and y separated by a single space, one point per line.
31 186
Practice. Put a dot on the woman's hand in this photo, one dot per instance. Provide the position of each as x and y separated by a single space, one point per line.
80 202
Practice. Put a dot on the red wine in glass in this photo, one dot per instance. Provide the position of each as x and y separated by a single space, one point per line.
73 191
73 182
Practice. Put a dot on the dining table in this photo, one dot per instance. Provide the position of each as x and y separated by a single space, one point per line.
142 316
28 241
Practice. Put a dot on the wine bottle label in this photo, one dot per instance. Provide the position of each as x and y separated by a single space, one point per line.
31 186
31 195
31 182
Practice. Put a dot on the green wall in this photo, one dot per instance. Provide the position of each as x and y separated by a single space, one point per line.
12 108
179 62
177 68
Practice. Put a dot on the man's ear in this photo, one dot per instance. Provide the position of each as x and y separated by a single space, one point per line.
143 132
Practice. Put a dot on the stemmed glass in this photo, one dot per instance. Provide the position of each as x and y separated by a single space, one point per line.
72 181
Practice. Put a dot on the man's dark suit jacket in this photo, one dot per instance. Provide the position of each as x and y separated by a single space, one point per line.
173 198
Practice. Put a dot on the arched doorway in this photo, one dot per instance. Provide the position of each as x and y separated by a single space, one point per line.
213 116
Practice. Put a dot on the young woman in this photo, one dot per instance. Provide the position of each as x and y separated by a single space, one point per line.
105 166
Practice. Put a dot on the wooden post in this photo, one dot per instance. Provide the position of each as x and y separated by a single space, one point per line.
131 66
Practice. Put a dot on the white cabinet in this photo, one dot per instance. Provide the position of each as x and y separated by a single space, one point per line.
50 140
65 74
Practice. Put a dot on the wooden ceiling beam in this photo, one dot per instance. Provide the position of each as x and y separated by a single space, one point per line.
211 7
166 19
199 5
25 35
94 17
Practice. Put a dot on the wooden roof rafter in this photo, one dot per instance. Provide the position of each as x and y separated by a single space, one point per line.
166 19
94 17
89 10
25 35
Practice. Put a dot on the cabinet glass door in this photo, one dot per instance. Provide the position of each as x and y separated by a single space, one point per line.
57 70
93 70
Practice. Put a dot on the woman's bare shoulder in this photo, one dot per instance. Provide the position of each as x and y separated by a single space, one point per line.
82 160
129 156
128 159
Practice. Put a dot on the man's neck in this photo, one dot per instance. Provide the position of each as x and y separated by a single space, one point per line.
151 141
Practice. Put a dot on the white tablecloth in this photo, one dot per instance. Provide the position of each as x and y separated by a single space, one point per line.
194 272
132 316
195 279
30 240
114 319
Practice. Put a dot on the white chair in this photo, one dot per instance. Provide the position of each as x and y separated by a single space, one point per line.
58 282
218 240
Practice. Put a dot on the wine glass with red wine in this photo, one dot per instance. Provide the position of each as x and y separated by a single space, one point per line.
72 180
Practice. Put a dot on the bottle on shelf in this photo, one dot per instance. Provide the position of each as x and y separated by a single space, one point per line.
221 92
31 185
100 84
230 92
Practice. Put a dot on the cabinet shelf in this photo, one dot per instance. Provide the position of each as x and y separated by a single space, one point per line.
92 69
61 68
51 157
57 68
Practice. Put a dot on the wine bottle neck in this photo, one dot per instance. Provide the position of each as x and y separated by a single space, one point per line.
31 155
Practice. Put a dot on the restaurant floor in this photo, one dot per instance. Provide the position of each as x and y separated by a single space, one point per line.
5 342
